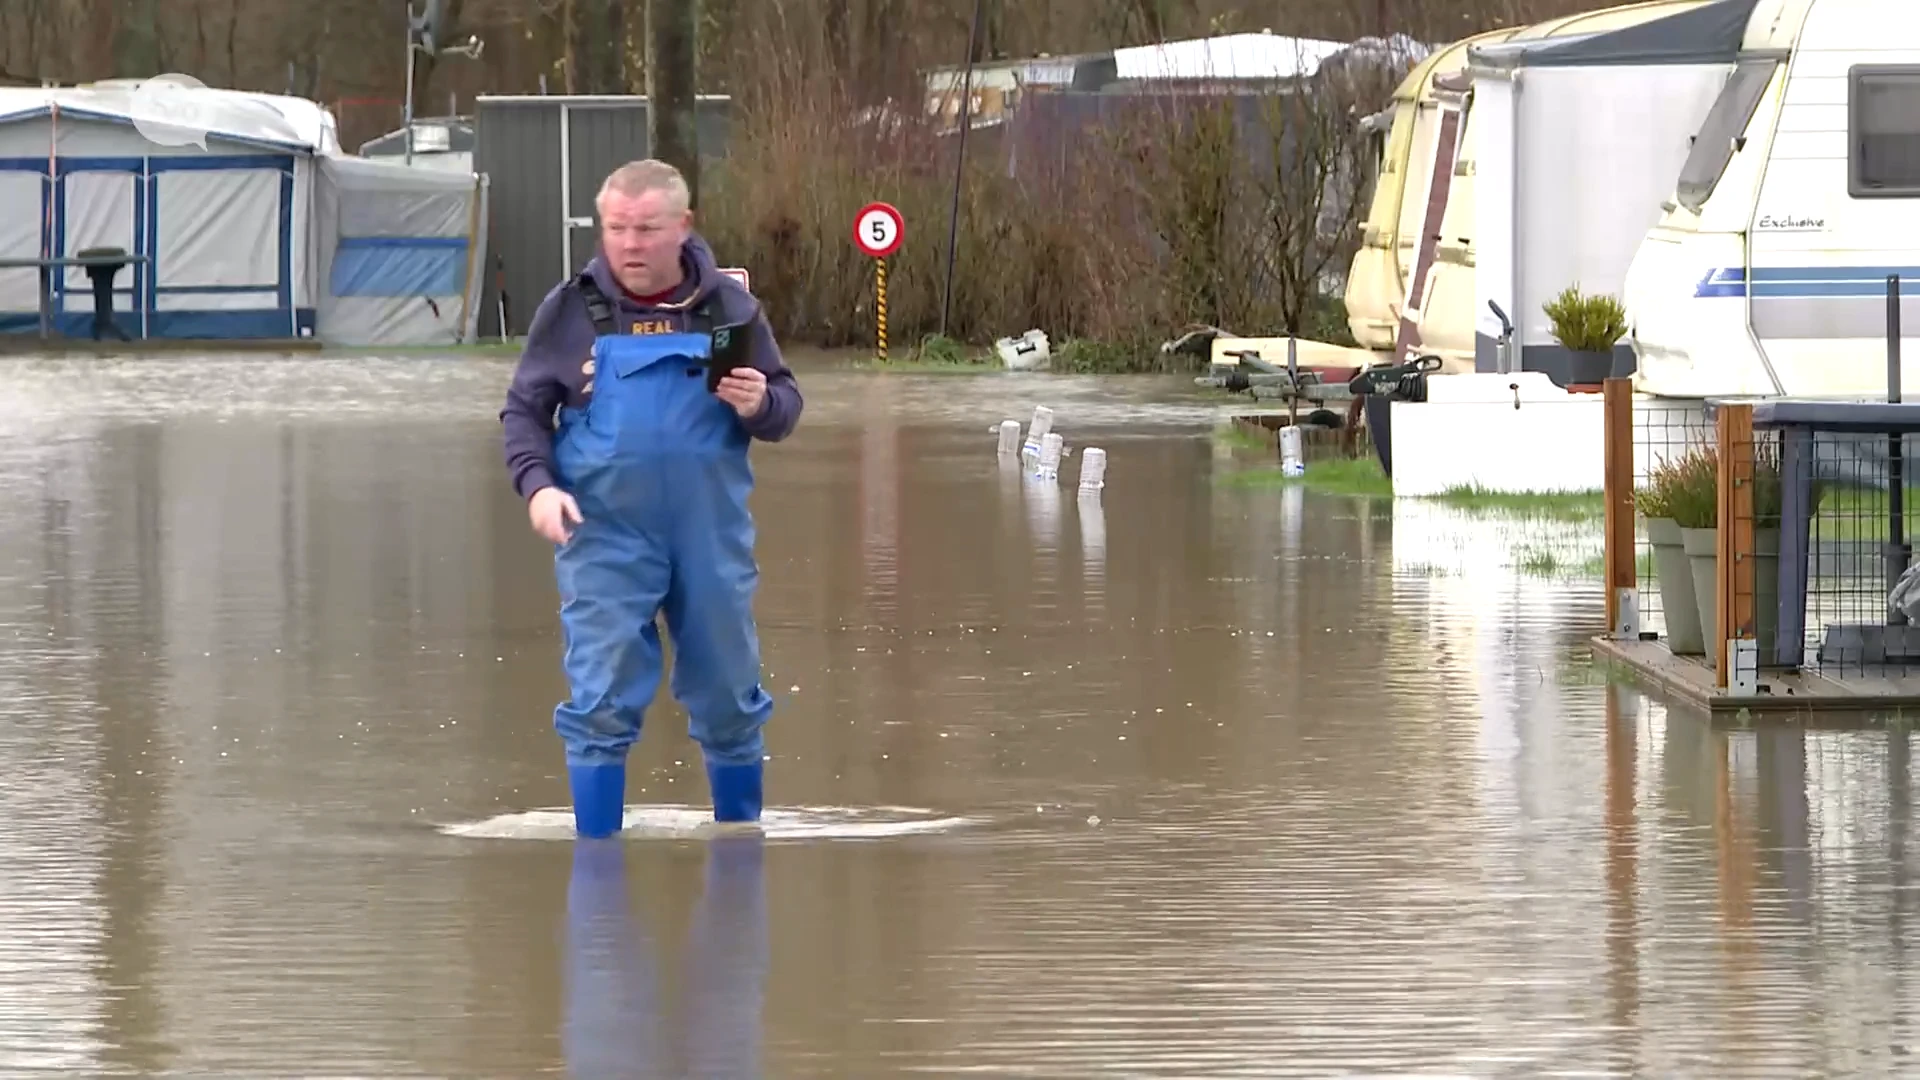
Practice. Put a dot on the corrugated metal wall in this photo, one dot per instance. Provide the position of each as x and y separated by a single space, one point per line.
518 145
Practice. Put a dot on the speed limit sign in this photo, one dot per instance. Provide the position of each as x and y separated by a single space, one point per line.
878 230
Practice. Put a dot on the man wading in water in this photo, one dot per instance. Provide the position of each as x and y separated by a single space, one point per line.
642 487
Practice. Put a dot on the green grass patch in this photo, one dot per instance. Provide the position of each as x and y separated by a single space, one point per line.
1072 356
1086 356
1556 505
1364 477
1332 476
1540 562
934 355
1852 514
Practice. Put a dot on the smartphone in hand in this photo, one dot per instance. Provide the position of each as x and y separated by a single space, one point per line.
728 351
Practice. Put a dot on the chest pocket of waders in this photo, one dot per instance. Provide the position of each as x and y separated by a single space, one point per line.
650 397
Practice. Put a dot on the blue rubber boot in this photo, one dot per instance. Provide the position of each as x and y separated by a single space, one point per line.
599 798
736 791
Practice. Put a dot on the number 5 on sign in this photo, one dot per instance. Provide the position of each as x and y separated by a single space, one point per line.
878 232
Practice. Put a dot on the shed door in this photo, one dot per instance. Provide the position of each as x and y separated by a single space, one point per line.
20 238
597 139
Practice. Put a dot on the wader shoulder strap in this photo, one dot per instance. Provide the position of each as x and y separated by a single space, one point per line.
599 308
700 319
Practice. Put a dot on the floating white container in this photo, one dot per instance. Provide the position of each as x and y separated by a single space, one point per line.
1093 469
1009 437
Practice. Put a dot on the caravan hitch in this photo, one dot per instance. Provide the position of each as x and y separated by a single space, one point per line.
1396 382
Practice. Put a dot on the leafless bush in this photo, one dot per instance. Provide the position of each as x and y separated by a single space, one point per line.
1117 217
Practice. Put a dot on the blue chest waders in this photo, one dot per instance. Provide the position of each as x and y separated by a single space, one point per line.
659 467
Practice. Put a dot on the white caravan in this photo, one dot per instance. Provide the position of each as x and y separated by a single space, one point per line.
1574 143
1577 141
1441 310
1767 274
1410 286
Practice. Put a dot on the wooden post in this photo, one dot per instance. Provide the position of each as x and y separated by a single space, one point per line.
1623 608
1733 540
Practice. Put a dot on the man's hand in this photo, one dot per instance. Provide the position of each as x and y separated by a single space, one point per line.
549 510
745 389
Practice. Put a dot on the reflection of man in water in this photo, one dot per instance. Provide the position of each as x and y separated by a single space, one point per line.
615 1021
650 468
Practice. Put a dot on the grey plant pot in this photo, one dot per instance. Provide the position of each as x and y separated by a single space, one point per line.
1588 368
1703 560
1675 577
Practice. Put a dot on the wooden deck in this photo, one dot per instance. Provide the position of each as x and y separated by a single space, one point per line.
1803 695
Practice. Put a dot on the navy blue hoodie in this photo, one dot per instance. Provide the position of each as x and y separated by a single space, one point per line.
561 338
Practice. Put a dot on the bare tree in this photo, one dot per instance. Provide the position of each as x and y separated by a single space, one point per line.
1318 176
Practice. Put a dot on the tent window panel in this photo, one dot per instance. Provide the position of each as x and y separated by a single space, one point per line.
1884 115
400 266
1725 123
409 213
218 227
20 238
99 213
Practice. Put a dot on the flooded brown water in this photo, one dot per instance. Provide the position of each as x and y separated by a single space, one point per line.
1201 779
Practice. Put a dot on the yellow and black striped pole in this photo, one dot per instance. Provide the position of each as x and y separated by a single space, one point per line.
880 304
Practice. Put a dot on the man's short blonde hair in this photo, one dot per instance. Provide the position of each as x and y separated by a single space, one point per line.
640 177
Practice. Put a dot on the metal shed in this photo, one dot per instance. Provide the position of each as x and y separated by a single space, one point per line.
545 156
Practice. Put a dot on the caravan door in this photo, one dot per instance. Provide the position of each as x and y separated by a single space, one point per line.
1432 211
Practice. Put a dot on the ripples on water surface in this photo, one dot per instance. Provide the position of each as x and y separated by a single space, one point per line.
1193 780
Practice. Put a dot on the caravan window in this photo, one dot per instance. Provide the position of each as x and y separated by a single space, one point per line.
1725 122
1883 104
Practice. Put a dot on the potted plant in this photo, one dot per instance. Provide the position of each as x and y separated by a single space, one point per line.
1670 568
1694 503
1588 327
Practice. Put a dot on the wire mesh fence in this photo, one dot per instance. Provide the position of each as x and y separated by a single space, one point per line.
1672 444
1862 600
1791 536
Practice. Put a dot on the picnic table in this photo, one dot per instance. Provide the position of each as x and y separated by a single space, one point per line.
102 264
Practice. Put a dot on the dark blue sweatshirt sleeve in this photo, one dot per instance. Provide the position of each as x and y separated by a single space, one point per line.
780 413
559 335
